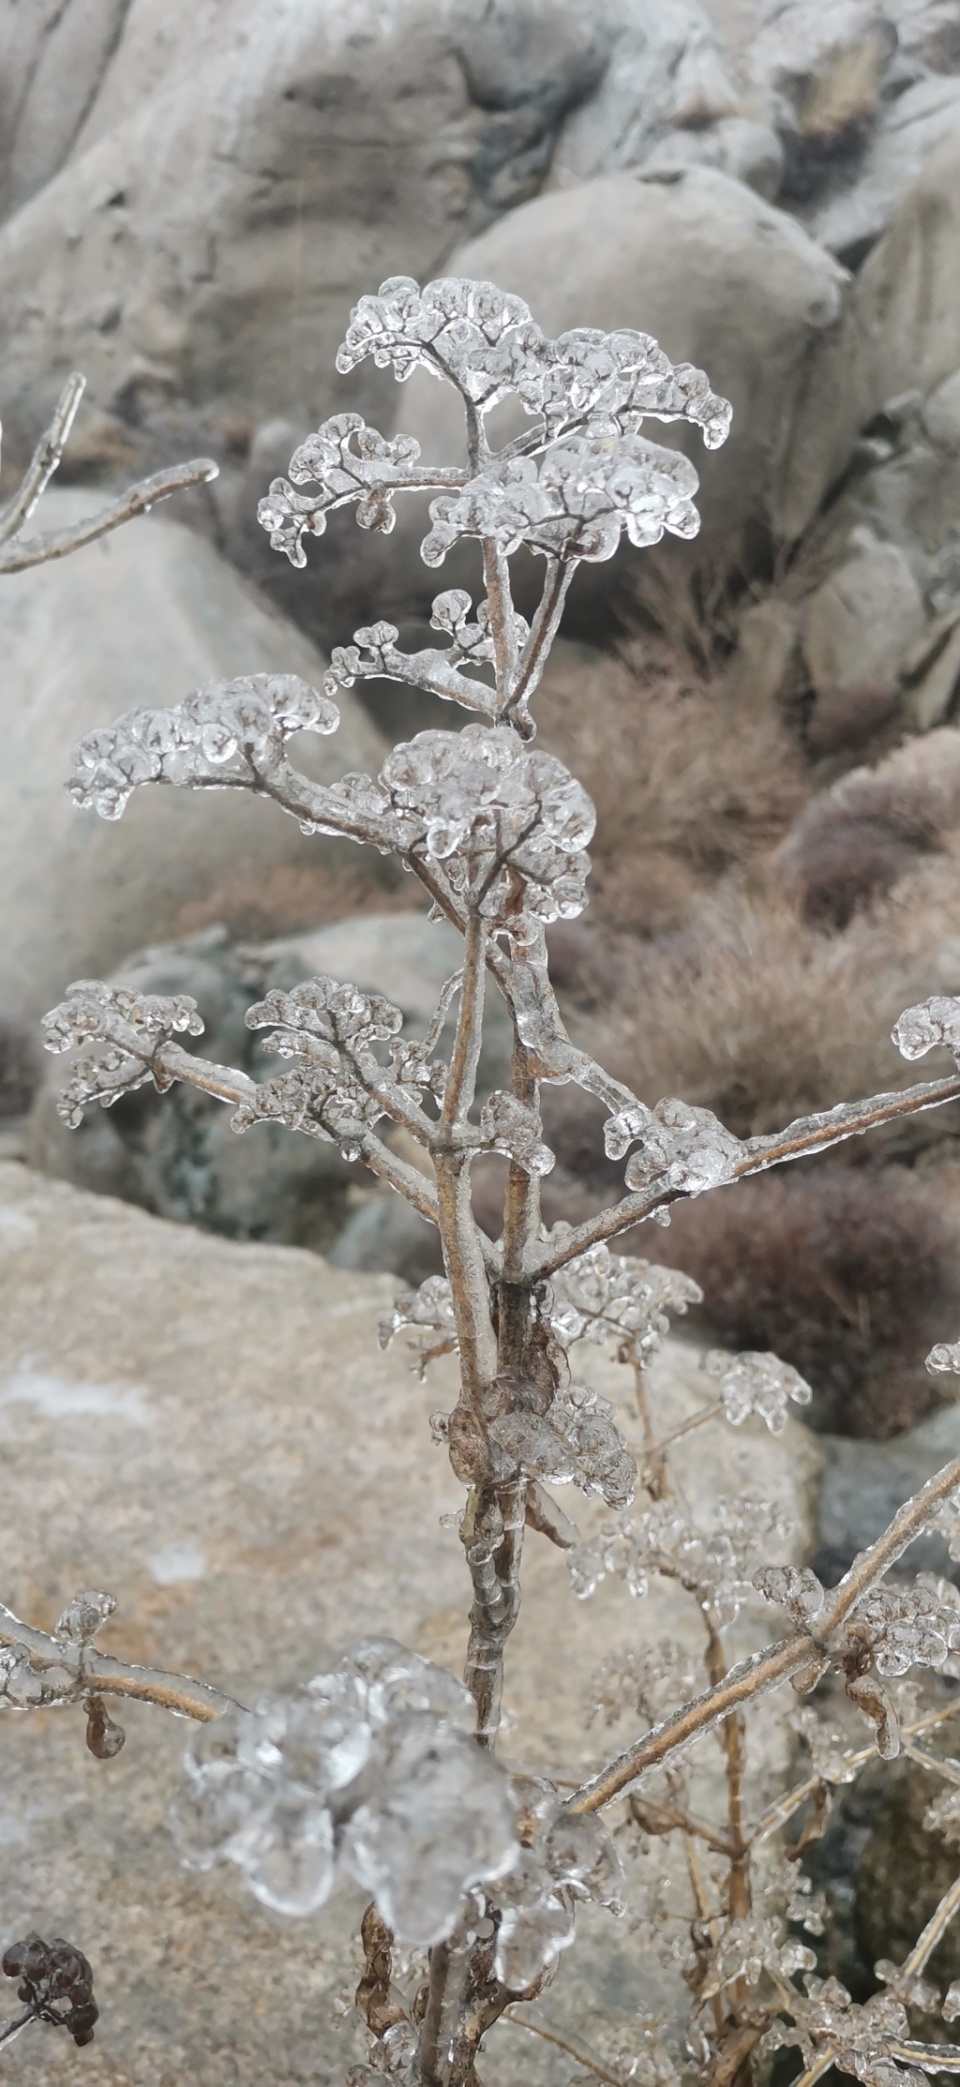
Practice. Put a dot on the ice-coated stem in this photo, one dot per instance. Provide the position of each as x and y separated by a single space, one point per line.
765 1670
937 1925
44 460
92 1669
137 500
809 1134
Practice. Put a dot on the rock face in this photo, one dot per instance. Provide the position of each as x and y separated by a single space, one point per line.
137 619
857 627
176 1154
331 145
210 1431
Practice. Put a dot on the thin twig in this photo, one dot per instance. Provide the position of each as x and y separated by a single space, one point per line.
765 1670
90 1668
567 2044
44 460
936 1926
40 550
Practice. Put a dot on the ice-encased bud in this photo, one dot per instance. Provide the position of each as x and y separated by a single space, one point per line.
83 1616
440 1821
944 1357
390 1680
684 1149
323 1747
756 1383
291 1865
930 1022
218 1816
507 1126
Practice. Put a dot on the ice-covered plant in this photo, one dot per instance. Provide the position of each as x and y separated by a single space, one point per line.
385 1769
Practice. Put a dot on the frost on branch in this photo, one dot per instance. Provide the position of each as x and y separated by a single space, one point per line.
920 1029
120 1035
345 460
756 1383
714 1564
600 1296
571 503
370 1771
226 732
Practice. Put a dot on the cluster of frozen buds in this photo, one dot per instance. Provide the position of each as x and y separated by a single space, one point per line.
855 2037
370 1771
590 391
682 1150
601 1296
227 732
119 1035
715 1564
756 1383
566 1435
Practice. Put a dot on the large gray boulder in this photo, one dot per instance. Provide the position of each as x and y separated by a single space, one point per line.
210 1431
195 196
137 619
899 341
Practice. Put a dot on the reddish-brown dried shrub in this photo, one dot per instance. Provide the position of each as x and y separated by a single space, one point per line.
684 785
850 1278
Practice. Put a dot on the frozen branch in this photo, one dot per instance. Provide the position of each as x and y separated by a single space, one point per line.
765 1670
137 500
808 1135
44 460
62 1669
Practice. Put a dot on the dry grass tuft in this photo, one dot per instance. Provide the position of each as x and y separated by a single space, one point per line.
288 898
848 1276
685 787
852 844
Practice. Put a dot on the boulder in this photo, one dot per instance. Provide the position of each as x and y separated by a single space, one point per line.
865 1482
699 260
856 628
139 618
899 340
210 1431
194 204
666 75
859 203
176 1154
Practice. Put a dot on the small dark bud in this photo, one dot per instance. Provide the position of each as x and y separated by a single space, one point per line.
104 1738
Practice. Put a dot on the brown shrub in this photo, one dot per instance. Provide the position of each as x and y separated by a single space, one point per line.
853 843
849 1273
684 784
